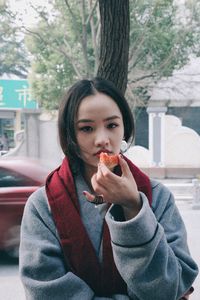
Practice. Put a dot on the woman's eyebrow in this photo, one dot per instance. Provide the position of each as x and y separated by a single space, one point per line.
85 121
93 121
112 118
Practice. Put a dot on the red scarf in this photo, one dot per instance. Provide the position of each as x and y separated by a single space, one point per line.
79 252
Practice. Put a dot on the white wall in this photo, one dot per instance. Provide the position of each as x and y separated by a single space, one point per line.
50 151
182 147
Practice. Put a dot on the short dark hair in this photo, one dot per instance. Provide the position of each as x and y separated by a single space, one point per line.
69 107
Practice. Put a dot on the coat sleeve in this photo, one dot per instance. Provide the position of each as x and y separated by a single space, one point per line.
151 251
41 264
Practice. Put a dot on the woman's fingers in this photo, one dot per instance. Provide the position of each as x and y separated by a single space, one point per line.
99 173
88 196
103 170
113 188
98 183
124 167
95 199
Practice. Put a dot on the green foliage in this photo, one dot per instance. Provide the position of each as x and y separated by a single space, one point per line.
159 43
64 45
57 48
51 74
162 44
13 55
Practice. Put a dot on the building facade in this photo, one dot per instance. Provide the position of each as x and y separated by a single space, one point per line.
15 96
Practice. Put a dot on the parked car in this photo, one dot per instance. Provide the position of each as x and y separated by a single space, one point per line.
2 152
19 177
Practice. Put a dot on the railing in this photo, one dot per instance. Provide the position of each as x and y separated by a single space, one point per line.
196 194
186 192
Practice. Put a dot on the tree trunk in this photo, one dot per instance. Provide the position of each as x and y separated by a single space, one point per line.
114 46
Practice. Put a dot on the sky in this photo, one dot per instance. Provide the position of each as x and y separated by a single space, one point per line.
24 8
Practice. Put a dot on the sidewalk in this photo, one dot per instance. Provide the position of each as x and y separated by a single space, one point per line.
191 218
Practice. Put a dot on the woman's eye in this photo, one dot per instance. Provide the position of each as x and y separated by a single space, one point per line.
112 125
86 129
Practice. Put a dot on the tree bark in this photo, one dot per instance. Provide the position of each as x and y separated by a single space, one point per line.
114 45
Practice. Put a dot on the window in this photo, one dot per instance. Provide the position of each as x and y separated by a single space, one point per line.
10 178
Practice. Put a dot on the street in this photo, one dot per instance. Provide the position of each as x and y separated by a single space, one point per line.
11 287
192 221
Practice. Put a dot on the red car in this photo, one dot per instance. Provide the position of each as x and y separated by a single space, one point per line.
19 177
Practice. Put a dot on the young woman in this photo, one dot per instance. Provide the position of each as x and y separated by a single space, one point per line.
130 246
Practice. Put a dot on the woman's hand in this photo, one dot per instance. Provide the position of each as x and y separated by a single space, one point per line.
117 190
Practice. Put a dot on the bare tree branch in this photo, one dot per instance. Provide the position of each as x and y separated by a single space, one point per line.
91 11
133 99
71 12
153 74
135 50
84 38
58 49
94 37
71 59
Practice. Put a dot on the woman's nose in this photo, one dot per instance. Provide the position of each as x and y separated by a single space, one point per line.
101 139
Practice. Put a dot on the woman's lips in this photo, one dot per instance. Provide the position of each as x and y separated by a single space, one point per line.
100 151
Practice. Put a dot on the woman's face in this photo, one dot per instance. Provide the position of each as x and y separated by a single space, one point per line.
99 128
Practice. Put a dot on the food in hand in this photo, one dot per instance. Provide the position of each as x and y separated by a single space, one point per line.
110 161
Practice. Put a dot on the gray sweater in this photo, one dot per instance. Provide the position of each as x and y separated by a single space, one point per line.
150 250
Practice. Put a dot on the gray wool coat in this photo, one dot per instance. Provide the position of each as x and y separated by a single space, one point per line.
150 250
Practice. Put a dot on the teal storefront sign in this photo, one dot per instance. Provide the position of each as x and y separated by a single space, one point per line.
16 94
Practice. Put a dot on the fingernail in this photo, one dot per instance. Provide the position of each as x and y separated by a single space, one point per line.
84 193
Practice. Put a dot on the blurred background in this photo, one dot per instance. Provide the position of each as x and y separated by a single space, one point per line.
45 46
